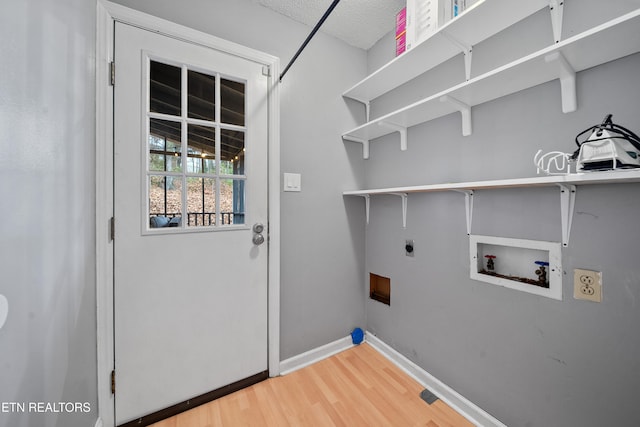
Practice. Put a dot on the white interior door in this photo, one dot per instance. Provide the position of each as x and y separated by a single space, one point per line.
190 181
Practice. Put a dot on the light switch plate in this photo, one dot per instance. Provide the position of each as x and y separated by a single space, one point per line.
292 182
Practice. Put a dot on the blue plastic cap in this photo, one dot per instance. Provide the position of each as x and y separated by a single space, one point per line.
542 263
357 336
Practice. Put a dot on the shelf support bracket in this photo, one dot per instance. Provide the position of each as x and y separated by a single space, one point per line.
364 142
466 50
465 111
556 7
403 196
567 207
567 81
367 110
468 207
401 129
367 205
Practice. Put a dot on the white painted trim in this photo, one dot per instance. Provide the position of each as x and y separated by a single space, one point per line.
315 355
452 398
162 26
104 211
273 227
274 220
107 13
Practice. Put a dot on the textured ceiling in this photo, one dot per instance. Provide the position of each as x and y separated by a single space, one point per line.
360 23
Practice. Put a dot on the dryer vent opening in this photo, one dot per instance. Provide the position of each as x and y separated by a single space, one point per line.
380 288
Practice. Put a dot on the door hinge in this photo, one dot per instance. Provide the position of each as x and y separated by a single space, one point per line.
113 382
112 228
266 70
112 73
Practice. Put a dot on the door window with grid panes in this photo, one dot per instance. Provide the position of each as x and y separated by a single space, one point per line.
195 172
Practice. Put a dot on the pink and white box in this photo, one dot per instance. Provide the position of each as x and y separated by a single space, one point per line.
401 31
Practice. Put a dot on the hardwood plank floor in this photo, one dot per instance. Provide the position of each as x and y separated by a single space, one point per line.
358 387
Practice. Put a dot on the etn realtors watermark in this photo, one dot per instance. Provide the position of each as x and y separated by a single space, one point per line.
45 407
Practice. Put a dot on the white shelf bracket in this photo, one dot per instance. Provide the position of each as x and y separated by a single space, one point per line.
367 205
556 8
468 207
364 142
466 50
567 207
403 196
465 111
467 63
567 81
401 129
367 110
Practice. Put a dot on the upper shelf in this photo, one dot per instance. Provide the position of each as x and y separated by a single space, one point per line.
588 178
612 40
481 21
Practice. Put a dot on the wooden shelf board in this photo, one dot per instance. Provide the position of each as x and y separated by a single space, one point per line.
613 40
493 16
487 18
588 178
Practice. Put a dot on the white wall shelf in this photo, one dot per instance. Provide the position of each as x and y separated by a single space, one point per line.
566 183
456 36
607 42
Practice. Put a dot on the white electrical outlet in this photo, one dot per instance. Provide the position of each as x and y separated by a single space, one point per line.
587 285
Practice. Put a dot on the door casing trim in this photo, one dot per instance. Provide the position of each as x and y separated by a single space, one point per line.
107 14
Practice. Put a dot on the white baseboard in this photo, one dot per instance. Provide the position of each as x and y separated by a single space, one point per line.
452 398
98 422
315 355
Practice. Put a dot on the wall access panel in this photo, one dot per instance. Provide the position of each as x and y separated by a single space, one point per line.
526 265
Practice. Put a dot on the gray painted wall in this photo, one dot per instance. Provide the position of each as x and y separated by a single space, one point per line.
47 135
528 360
322 234
47 125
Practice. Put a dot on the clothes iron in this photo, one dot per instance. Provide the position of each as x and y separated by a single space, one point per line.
608 146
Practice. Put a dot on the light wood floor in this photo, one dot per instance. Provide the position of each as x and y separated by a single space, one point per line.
358 387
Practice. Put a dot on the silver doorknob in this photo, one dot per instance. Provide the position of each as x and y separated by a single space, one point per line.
258 239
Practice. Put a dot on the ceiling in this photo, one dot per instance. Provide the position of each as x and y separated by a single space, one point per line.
360 23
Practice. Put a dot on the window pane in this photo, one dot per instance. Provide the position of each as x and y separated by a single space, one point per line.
165 201
164 146
201 201
201 149
232 201
165 89
157 153
232 100
202 96
231 152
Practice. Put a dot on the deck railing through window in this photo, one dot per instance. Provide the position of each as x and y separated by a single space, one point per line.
203 218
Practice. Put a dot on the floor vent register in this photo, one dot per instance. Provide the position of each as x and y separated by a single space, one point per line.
427 396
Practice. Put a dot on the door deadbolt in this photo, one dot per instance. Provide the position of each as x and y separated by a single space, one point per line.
258 227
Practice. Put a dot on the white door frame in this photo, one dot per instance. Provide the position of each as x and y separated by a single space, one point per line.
107 14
